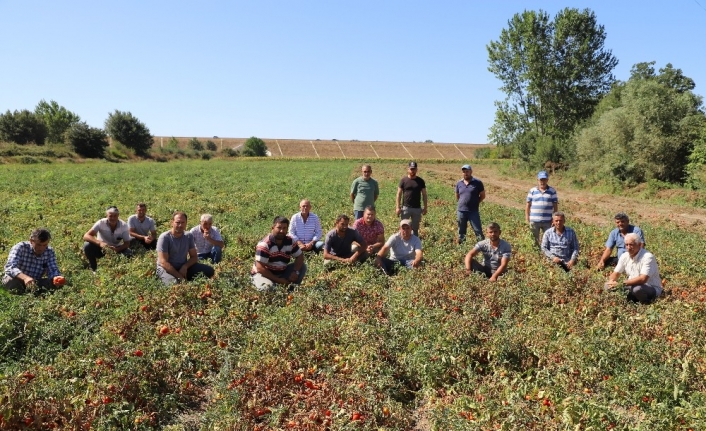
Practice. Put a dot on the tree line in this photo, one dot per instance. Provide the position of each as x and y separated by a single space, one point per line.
564 108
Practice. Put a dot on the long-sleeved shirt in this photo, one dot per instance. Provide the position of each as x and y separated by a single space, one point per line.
565 246
23 260
307 231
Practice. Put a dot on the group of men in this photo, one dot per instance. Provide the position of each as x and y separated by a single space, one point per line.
279 257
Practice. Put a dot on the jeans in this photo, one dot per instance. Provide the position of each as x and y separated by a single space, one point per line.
357 214
263 283
216 254
469 216
478 267
389 266
94 252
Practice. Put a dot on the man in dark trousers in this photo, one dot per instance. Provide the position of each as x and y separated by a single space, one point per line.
411 192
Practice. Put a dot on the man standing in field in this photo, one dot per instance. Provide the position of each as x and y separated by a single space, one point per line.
142 228
643 283
616 239
469 194
560 244
411 192
542 202
209 244
405 250
272 259
32 264
364 192
496 254
177 259
371 229
305 228
109 233
343 244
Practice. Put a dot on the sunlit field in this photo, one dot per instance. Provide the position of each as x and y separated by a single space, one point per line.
350 348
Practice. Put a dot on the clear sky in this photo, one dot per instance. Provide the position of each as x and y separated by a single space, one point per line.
367 69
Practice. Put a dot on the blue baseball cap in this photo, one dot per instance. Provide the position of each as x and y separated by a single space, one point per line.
542 175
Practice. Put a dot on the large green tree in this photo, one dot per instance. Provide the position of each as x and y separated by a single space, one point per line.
553 72
22 127
57 119
254 147
129 131
87 141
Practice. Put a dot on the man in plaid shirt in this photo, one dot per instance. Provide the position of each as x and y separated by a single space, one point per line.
560 244
31 263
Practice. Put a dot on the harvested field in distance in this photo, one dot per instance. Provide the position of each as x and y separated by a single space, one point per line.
336 149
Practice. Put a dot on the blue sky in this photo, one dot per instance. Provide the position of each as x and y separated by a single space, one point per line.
368 70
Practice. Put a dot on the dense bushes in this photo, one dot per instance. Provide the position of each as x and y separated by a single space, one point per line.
22 127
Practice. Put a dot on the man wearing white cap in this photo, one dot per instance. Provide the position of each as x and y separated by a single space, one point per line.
542 202
469 194
405 250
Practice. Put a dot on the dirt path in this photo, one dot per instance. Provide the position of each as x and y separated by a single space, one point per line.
591 208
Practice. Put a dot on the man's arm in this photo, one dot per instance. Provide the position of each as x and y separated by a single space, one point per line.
481 196
262 270
133 233
468 261
604 257
214 240
575 250
398 209
417 258
527 211
92 237
424 198
164 263
503 264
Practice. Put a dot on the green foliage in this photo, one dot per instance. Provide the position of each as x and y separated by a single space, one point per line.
195 144
230 152
254 147
696 168
57 119
129 131
173 143
87 141
211 146
22 127
554 74
428 141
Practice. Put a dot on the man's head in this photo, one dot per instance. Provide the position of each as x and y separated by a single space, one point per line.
622 221
304 207
633 244
141 210
542 178
558 220
39 241
406 229
206 222
493 231
412 169
112 214
342 222
178 222
367 171
467 172
279 227
369 215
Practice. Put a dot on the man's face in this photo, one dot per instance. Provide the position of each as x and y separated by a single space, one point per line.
305 207
632 247
543 182
622 224
558 222
467 174
367 172
141 212
412 172
406 231
369 217
38 247
178 224
206 225
493 233
112 217
342 226
279 231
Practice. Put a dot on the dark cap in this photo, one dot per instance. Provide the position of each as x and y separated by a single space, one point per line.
413 165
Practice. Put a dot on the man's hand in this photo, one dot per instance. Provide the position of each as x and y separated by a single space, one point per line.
601 264
29 281
424 211
206 234
398 211
611 284
306 247
149 239
416 263
182 271
556 259
570 264
293 276
493 278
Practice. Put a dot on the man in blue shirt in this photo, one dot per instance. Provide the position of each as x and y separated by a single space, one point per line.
560 244
542 202
469 194
616 239
31 264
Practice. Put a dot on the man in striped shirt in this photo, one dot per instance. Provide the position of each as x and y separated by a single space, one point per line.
272 258
560 244
542 202
306 230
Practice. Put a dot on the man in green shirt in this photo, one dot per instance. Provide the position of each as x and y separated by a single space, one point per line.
364 192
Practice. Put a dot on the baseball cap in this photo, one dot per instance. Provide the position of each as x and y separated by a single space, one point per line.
466 168
406 221
413 165
542 175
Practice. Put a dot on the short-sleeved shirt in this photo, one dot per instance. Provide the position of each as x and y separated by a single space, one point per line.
412 191
401 249
275 258
492 256
615 239
203 246
109 236
369 233
565 246
305 231
23 260
469 194
364 192
177 248
341 247
143 227
541 204
644 263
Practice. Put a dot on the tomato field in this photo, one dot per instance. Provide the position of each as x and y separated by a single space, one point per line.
350 348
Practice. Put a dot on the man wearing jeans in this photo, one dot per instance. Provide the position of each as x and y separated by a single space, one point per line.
542 202
469 194
643 283
411 191
272 259
560 244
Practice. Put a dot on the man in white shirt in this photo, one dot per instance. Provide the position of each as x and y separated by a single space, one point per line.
305 229
643 283
109 233
209 243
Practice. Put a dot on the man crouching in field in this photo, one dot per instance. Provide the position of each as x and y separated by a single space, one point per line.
644 283
272 256
173 248
405 250
32 264
496 254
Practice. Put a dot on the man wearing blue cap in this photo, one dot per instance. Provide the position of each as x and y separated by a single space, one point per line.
469 194
542 202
